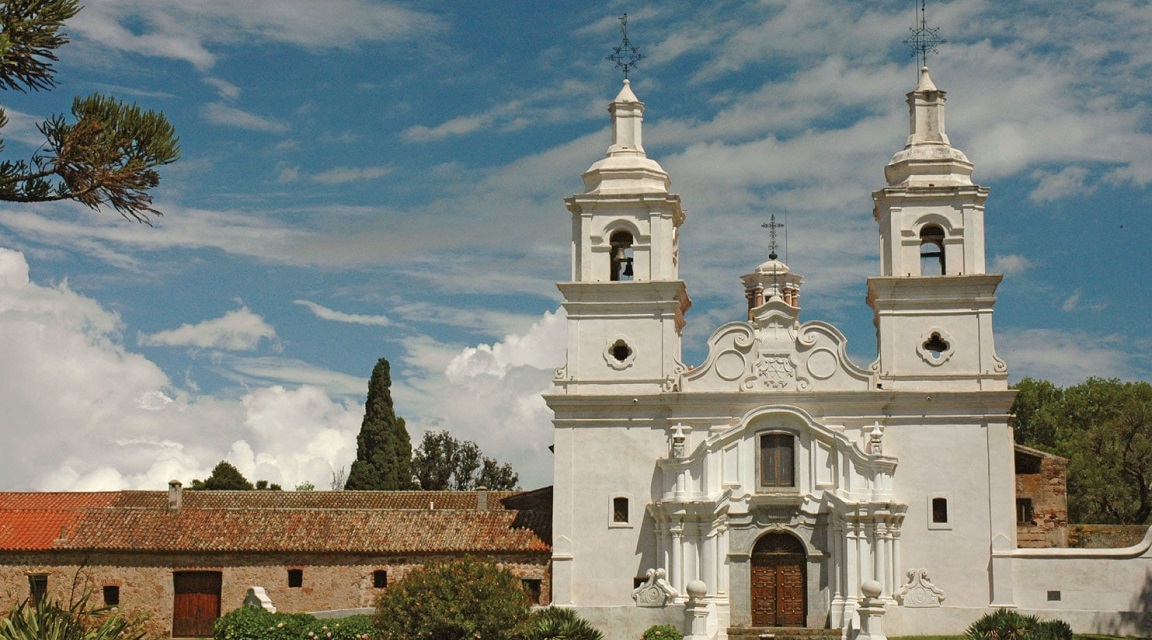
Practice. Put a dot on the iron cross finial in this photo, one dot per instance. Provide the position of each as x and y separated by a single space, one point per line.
772 226
924 40
625 56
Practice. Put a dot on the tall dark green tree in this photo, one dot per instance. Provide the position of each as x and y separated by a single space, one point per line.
443 463
225 477
383 448
1104 428
106 154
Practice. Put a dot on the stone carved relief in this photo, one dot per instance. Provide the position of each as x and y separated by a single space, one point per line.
656 592
919 592
775 370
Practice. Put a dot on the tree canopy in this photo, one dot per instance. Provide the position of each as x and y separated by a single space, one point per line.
383 447
107 155
1104 428
226 477
443 463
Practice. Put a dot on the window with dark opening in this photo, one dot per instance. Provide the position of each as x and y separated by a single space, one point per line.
931 251
295 578
936 346
777 468
619 509
1024 513
37 587
379 579
531 589
111 595
621 254
939 510
621 350
1028 464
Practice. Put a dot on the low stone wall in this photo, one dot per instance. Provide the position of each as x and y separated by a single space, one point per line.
1105 536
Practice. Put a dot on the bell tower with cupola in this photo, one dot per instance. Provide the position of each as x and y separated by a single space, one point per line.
933 301
625 302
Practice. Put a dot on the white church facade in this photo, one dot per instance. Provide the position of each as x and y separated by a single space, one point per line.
766 485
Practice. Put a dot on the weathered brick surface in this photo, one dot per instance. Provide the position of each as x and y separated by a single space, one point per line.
1042 477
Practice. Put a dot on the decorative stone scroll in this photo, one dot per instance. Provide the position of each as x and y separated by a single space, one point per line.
656 592
919 592
257 597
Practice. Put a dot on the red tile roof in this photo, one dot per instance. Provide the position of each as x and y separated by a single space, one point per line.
274 521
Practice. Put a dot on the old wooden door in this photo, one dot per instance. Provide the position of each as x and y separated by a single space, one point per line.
778 582
197 603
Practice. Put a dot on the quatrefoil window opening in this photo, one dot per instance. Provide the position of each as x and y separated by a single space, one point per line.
621 350
619 353
935 345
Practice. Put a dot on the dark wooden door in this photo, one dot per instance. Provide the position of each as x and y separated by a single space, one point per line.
778 582
197 603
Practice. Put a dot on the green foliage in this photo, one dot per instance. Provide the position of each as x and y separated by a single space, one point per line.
225 477
306 486
443 463
1004 624
254 623
108 156
561 624
383 447
662 632
1104 428
49 620
465 599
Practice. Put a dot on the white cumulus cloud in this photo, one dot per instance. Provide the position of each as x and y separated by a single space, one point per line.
239 330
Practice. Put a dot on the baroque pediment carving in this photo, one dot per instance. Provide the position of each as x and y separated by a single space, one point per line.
774 352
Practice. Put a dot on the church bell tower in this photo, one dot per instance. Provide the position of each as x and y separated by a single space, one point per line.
625 302
933 301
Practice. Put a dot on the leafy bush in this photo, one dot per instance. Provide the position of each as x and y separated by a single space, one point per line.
454 600
561 624
49 620
1004 624
254 623
662 632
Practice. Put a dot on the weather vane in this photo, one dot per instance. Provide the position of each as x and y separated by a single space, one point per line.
772 226
924 40
625 56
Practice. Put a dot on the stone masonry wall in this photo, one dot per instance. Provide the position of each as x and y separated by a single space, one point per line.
1049 494
146 583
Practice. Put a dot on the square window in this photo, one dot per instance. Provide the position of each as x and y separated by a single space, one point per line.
1024 514
37 587
379 579
532 589
620 510
295 578
111 595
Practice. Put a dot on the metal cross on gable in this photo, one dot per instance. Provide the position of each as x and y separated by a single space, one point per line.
772 226
924 40
626 55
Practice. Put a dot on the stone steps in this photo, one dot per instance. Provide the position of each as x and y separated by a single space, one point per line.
782 633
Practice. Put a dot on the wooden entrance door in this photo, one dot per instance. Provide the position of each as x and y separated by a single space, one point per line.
197 603
778 582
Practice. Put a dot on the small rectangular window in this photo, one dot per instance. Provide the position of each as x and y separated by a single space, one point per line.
111 595
1053 596
380 579
532 589
777 452
620 510
295 578
939 510
1024 513
37 587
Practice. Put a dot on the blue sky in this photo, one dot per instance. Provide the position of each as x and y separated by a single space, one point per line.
365 178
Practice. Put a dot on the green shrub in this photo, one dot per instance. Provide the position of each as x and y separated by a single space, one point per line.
662 632
49 620
561 624
466 599
254 623
1004 624
358 627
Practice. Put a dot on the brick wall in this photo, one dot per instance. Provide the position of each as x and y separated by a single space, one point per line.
1041 479
146 585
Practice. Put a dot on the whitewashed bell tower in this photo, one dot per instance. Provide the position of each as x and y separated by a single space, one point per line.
933 301
625 303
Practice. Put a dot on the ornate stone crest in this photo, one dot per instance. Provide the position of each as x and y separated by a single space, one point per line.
777 371
656 592
919 592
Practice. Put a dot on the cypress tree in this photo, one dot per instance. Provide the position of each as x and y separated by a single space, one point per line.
383 448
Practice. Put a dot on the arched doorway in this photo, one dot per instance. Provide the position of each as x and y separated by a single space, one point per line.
779 582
